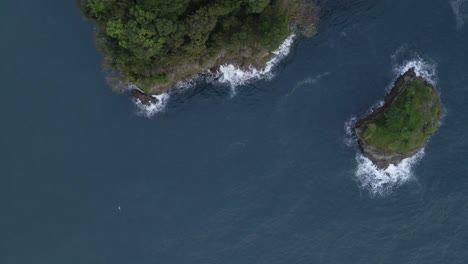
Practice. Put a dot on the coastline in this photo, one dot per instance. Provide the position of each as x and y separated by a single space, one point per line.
228 74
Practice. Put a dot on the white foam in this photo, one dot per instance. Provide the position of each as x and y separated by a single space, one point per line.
421 67
350 139
234 76
375 106
313 80
370 177
460 15
153 108
228 74
132 87
182 86
308 81
381 182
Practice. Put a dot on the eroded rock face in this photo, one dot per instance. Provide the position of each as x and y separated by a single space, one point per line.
382 159
143 98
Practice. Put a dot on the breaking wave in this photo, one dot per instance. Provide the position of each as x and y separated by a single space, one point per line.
182 86
406 58
153 108
370 177
234 76
421 67
382 182
227 74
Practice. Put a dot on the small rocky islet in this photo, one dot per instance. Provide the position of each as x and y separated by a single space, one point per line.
401 127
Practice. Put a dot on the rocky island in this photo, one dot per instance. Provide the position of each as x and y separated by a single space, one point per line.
151 45
402 125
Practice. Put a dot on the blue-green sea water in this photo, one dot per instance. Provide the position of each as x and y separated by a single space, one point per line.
266 176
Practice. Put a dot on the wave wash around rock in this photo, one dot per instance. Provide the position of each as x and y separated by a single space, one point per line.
378 180
150 105
401 127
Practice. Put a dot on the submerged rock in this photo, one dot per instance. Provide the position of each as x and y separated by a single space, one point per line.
143 98
401 127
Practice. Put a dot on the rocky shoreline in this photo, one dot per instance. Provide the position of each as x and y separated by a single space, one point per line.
251 68
143 98
380 158
160 46
147 99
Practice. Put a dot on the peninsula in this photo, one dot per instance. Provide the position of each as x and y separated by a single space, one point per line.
153 44
401 127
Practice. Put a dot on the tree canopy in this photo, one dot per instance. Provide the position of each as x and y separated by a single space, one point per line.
408 122
156 42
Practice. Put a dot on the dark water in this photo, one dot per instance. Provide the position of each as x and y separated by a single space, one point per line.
263 177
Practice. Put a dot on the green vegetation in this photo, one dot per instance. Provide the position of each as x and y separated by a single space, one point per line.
405 125
154 43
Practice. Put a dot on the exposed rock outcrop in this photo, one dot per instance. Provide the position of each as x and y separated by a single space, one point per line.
143 98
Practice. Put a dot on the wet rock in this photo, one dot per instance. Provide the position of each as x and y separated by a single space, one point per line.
143 98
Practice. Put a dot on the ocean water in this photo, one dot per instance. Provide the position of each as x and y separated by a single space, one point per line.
263 173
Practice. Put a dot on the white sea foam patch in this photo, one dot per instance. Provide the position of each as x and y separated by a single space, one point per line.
350 139
459 10
154 108
381 182
234 76
421 67
313 80
375 106
378 181
182 86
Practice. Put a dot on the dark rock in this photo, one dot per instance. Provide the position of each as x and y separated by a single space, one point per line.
143 98
214 70
380 158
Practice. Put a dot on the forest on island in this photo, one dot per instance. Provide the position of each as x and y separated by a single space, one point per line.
153 43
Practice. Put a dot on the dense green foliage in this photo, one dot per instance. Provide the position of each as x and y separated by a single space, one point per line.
405 126
150 42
